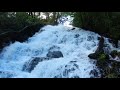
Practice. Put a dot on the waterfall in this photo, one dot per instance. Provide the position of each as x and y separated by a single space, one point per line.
75 45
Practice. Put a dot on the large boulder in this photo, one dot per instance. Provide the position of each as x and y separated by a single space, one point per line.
100 46
98 50
31 64
92 56
54 54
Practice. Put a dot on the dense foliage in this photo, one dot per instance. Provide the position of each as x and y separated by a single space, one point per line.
14 21
105 23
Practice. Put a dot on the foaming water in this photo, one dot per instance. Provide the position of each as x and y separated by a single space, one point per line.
75 46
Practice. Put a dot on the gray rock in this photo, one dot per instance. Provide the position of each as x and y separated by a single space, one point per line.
76 35
94 72
90 38
92 56
6 74
31 64
54 54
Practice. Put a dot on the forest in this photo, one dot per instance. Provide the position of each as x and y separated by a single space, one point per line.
94 21
37 40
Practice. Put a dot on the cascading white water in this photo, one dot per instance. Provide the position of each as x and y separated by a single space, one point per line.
75 46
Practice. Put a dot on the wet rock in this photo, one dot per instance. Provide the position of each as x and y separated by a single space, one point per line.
90 38
72 28
6 74
31 64
99 38
42 30
65 72
76 66
71 67
115 55
94 72
102 61
108 68
75 77
100 46
107 49
58 76
54 54
76 35
73 61
68 70
99 49
93 56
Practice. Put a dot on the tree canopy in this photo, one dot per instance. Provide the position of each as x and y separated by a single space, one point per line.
105 23
14 21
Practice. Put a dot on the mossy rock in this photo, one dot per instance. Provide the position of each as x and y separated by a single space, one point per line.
102 60
103 56
114 53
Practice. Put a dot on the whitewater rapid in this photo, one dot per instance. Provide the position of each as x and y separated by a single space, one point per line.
75 46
